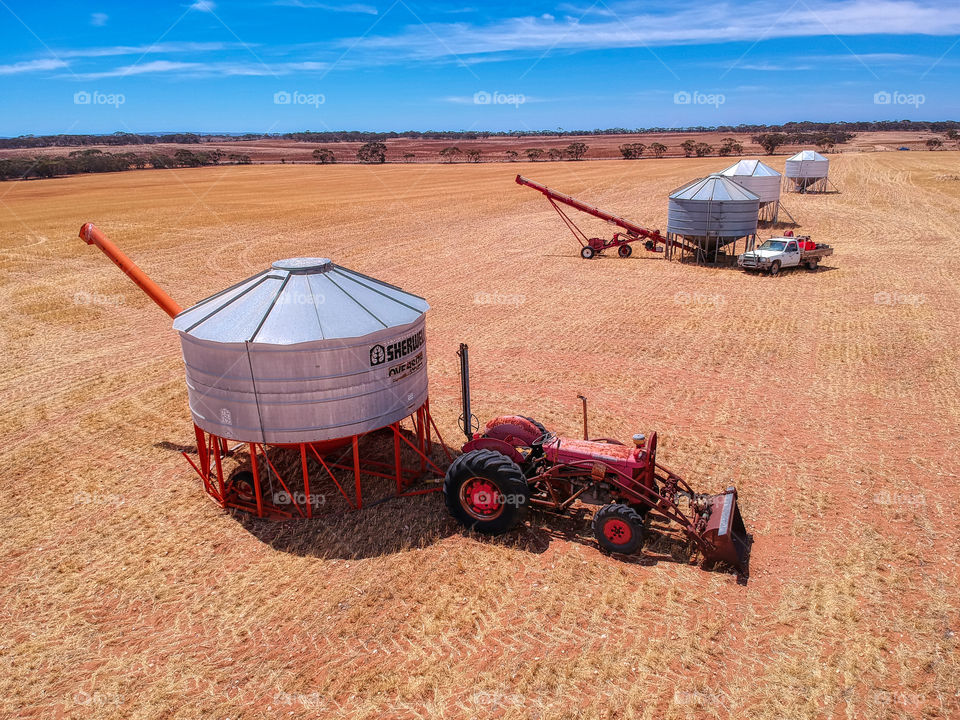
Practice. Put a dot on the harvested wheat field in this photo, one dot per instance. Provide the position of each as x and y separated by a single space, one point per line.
830 399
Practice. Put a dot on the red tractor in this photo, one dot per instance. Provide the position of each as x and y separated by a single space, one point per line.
516 463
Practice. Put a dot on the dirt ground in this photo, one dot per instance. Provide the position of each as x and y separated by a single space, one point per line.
492 149
830 399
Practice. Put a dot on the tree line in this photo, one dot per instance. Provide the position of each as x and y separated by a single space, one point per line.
807 130
92 160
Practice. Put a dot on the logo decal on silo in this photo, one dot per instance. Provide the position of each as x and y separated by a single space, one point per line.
226 418
378 355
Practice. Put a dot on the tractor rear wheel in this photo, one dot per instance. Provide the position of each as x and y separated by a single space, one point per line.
624 251
486 492
618 528
587 252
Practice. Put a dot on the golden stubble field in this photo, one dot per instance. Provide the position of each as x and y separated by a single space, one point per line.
830 399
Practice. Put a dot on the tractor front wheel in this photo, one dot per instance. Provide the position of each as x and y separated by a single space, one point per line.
624 251
618 528
587 252
486 491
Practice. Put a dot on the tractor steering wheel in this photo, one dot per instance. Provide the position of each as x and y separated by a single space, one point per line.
544 439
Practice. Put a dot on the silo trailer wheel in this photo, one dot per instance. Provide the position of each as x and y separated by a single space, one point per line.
618 528
624 251
486 491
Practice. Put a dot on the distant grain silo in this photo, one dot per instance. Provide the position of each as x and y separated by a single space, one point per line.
763 181
807 172
707 216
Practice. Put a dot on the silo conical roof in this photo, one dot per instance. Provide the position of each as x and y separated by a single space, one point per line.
714 188
749 168
300 300
808 155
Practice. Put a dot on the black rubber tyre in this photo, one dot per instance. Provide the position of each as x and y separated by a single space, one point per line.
812 266
775 268
618 529
538 425
486 491
587 252
624 251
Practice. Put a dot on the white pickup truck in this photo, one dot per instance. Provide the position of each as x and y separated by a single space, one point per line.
783 252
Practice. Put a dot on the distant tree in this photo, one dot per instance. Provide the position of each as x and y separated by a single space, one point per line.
512 155
771 141
239 159
473 156
632 151
730 146
372 152
216 155
934 144
577 150
702 149
535 154
689 147
555 154
658 149
186 158
450 154
408 156
825 143
324 156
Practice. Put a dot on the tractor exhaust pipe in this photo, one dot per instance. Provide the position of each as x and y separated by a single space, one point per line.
583 398
466 417
91 235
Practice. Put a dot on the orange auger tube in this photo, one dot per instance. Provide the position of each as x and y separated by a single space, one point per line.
91 234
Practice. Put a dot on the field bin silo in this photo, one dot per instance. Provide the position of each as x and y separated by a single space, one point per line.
288 370
706 219
763 181
806 172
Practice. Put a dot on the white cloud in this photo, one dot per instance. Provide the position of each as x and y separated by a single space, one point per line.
201 69
343 8
32 66
203 6
633 25
99 19
154 49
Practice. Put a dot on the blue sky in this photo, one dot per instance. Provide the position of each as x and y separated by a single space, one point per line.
288 65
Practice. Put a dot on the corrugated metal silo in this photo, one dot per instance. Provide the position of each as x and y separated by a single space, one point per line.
710 213
760 179
305 351
807 170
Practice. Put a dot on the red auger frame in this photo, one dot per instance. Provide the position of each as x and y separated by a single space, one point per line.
591 247
515 463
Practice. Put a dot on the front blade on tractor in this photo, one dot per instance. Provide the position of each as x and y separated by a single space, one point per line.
726 535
